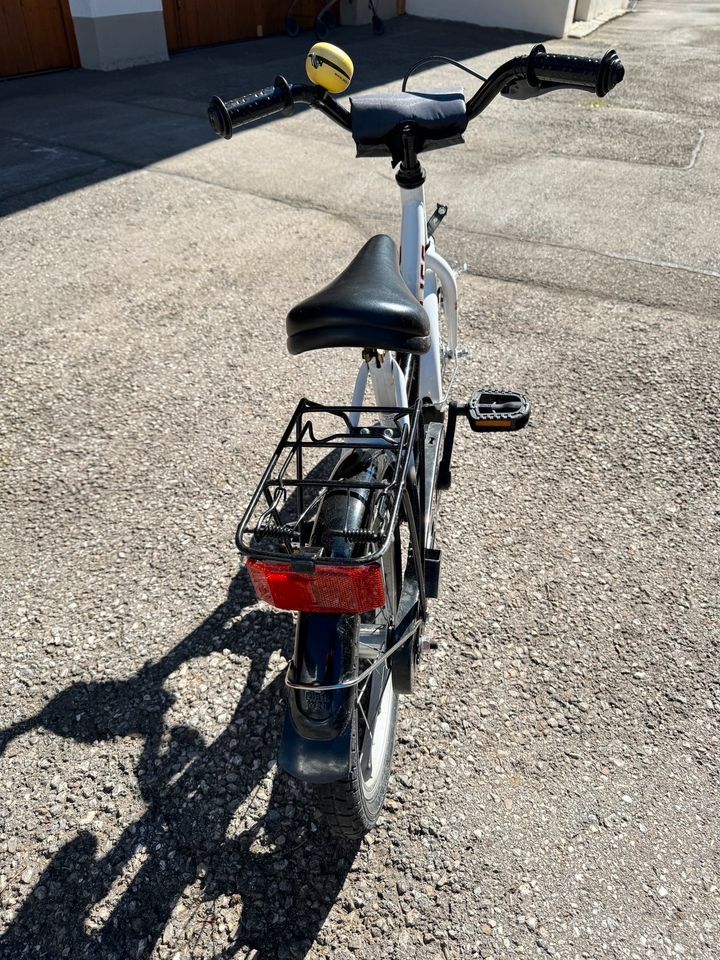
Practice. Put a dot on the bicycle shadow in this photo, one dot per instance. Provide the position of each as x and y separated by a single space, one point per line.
280 870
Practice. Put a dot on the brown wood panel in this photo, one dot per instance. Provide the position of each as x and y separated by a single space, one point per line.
16 54
270 14
70 32
36 35
199 23
172 24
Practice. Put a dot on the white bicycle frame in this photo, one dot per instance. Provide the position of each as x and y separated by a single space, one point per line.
426 273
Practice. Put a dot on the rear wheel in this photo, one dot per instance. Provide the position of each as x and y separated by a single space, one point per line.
352 806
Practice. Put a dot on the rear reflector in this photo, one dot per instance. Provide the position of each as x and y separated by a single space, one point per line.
327 590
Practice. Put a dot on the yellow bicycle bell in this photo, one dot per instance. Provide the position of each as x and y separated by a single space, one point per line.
330 67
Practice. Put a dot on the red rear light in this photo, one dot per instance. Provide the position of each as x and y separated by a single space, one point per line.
327 590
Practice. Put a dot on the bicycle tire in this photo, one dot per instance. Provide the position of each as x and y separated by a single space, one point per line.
351 806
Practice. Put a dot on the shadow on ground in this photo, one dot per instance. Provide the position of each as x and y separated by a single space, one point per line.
285 872
65 131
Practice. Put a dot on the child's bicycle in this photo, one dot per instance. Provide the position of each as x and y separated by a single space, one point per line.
342 525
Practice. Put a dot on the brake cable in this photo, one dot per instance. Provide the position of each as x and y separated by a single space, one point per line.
439 57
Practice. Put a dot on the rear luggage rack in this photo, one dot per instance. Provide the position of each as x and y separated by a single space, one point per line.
280 522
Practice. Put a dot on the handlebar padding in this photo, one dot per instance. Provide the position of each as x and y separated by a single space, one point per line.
227 115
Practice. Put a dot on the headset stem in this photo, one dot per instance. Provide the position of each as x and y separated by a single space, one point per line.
411 174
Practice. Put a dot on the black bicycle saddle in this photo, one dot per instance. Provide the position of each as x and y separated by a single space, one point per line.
368 305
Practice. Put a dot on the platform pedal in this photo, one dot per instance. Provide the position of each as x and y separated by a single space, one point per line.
488 409
491 409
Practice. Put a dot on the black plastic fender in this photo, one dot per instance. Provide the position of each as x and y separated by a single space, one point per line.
315 743
314 761
325 653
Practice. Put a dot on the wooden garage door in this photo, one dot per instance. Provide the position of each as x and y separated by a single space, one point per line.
36 35
197 23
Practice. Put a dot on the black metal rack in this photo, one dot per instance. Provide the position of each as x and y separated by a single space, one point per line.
279 522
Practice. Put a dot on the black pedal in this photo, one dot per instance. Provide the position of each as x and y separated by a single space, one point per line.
489 409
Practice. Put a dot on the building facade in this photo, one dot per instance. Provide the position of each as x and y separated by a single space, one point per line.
112 34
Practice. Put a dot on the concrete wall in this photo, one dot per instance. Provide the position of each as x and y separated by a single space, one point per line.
589 9
119 33
551 18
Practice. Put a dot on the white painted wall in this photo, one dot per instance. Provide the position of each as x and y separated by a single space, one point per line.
551 18
589 9
111 8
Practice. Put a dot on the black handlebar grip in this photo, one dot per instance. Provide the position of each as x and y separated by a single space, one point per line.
227 115
586 73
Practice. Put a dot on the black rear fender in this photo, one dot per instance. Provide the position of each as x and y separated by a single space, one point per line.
315 743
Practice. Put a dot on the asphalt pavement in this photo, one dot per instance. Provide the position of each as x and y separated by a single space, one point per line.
555 788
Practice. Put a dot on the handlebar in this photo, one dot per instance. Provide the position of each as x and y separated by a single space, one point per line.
540 72
519 79
227 115
584 73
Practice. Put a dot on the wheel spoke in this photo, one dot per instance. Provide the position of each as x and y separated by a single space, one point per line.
368 728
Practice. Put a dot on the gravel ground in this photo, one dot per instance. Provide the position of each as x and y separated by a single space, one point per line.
556 786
